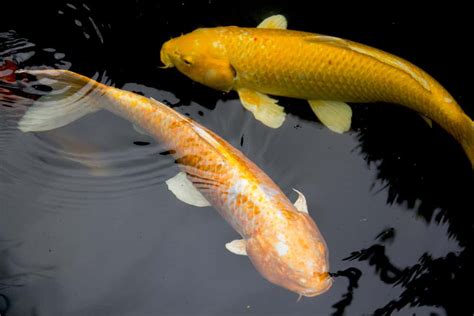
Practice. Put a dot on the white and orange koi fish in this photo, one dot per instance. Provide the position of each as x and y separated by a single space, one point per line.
280 238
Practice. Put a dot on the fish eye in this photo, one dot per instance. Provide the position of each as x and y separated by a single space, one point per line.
187 60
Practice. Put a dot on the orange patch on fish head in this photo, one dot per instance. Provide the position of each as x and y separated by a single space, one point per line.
294 257
201 56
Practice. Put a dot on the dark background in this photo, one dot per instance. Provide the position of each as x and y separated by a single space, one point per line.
393 197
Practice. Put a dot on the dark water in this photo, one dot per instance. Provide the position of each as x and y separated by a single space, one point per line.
87 226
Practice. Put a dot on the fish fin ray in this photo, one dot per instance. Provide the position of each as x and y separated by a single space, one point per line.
274 22
72 97
237 247
264 108
335 115
185 191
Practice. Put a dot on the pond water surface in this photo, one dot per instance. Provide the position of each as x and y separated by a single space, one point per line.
88 227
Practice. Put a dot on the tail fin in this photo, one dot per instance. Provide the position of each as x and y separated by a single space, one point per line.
72 97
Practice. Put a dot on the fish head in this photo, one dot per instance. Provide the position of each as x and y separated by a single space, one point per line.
201 56
292 255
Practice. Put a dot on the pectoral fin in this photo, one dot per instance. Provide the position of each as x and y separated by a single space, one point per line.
264 108
237 247
335 115
300 203
185 191
274 22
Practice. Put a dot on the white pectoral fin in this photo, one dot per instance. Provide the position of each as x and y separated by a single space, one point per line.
185 191
264 108
274 22
300 203
237 247
72 97
337 116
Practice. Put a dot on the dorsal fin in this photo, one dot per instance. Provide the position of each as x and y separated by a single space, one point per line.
381 56
274 22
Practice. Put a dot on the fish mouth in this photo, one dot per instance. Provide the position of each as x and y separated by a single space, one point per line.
165 57
323 287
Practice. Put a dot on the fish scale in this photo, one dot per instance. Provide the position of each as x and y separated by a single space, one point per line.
281 240
324 70
347 70
202 160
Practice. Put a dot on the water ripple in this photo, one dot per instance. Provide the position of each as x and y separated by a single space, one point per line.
69 168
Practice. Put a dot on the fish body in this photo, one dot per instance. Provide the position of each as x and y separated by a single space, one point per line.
326 71
283 242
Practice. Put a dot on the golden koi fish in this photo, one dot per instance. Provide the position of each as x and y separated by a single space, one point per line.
326 71
280 238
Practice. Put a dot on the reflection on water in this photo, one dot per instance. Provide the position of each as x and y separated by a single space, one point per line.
353 275
417 175
87 225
